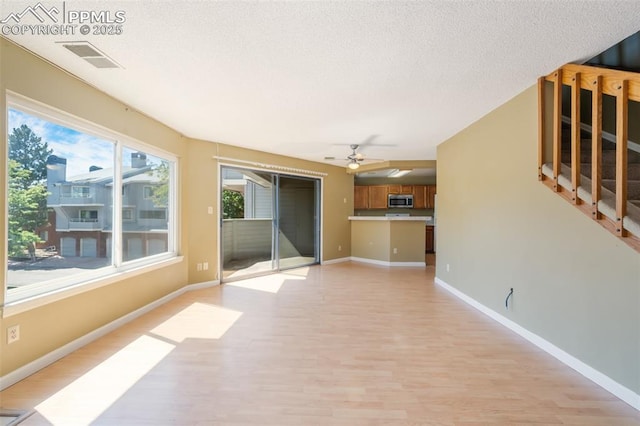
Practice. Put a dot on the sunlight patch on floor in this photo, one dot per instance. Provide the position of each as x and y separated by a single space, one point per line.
198 321
268 283
259 267
83 400
300 272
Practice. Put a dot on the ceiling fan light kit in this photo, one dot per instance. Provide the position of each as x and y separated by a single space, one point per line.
356 158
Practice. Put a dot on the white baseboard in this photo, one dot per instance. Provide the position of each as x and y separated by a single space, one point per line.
199 286
38 364
332 261
620 391
385 263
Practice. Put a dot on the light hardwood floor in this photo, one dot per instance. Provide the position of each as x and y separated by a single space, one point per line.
343 344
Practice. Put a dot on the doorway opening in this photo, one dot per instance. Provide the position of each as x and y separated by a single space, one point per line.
270 222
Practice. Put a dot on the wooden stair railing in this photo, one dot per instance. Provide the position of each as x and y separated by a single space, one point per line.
576 180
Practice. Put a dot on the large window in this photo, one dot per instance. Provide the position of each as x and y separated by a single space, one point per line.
147 179
73 189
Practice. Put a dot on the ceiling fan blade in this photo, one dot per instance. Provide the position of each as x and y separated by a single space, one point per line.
368 140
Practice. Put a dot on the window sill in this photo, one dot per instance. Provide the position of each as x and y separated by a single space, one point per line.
24 305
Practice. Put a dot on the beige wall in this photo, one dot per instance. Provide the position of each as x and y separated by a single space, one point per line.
376 240
49 327
409 240
371 239
575 284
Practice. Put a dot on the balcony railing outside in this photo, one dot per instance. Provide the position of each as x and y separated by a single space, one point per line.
85 224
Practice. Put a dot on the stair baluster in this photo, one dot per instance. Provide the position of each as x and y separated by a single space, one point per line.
596 147
557 129
575 137
622 128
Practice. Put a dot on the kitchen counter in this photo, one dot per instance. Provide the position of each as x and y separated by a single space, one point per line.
389 240
423 219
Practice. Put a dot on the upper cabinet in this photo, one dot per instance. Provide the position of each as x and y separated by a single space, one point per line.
375 196
419 197
431 196
361 197
400 189
370 197
378 196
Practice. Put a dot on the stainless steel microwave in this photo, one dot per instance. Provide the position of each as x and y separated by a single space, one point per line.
400 201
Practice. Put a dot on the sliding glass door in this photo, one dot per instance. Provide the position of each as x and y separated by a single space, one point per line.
270 222
298 221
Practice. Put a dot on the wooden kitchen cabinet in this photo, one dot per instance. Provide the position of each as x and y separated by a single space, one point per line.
378 196
370 197
429 246
431 196
394 189
375 196
406 189
400 189
361 197
419 196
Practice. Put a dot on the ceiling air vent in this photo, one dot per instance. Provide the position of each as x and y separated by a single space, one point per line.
91 54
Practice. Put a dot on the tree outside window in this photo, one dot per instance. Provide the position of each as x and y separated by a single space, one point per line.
27 196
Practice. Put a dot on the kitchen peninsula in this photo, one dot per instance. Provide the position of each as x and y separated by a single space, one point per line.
389 240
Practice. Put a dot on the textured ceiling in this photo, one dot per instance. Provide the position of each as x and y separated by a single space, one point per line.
302 78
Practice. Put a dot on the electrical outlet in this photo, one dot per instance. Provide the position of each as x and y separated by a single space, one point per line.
13 334
205 266
199 267
447 267
210 210
395 250
339 248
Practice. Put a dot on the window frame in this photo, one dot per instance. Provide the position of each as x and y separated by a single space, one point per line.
90 214
84 194
130 213
149 189
45 292
151 212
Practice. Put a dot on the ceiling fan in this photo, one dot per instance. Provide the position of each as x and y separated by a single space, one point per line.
356 158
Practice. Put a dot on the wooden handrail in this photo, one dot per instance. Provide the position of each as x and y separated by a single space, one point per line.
610 79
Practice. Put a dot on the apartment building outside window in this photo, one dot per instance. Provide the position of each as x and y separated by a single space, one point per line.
73 200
